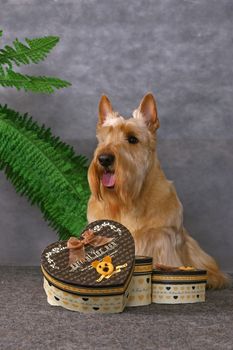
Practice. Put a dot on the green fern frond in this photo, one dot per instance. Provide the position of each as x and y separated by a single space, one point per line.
46 170
35 51
31 83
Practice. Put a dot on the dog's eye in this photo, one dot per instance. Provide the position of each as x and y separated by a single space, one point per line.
132 139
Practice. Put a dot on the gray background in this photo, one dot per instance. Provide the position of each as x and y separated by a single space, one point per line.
182 51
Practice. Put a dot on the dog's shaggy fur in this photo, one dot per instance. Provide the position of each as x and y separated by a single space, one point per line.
128 185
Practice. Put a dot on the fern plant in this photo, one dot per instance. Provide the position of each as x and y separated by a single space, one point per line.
35 51
38 164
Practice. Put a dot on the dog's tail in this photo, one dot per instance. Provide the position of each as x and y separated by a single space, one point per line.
197 258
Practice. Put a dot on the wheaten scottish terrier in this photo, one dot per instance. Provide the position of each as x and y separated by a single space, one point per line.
128 185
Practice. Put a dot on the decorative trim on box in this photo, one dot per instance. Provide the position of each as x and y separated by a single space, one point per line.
138 269
178 294
184 279
85 303
179 282
179 272
87 291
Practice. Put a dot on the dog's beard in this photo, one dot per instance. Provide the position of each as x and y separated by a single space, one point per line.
121 183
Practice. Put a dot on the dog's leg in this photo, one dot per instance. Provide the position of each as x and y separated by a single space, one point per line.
162 244
178 248
195 256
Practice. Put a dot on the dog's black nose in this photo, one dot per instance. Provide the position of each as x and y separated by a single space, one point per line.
106 159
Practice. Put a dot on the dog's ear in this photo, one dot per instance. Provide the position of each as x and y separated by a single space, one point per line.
105 109
148 111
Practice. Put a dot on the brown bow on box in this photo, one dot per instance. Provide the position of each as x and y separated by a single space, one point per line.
77 246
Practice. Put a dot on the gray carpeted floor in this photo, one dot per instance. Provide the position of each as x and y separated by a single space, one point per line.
28 322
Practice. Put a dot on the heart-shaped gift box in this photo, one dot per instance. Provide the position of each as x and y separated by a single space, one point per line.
93 273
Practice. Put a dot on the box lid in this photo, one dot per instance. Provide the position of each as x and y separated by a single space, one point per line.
100 262
179 276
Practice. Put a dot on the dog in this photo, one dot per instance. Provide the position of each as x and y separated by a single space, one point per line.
128 185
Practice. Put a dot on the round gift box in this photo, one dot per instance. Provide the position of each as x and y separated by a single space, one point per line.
178 286
140 286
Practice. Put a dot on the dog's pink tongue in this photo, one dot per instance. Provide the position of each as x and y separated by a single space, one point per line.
108 179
